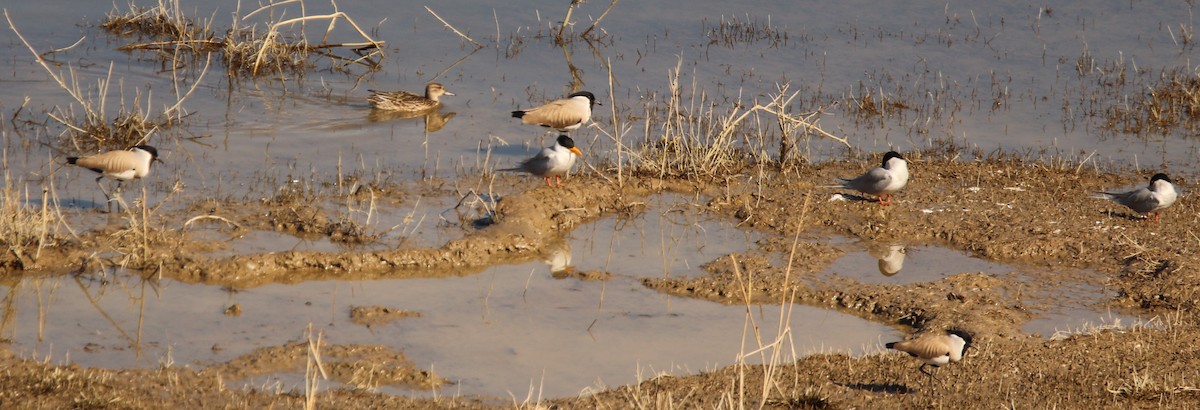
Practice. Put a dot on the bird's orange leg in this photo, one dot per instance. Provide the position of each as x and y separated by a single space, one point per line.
548 182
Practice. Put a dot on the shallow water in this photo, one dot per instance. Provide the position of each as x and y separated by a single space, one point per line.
494 333
894 263
956 57
1070 307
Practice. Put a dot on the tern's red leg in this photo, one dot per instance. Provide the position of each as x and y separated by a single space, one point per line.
548 182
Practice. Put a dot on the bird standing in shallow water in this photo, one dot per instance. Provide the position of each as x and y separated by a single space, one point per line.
404 101
882 181
119 165
1156 196
553 161
935 349
566 114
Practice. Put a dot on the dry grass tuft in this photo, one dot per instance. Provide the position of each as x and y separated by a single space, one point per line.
732 31
1143 387
871 107
697 142
164 22
264 48
1172 103
87 127
811 398
24 229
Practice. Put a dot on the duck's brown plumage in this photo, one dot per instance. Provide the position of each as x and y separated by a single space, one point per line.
405 101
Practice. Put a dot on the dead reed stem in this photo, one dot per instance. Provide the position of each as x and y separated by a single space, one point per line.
598 19
460 34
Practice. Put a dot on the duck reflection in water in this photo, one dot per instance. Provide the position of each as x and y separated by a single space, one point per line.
435 120
890 256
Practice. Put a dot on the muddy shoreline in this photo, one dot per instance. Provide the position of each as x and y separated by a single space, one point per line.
996 209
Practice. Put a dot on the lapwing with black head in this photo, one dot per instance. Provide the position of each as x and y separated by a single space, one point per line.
1153 198
882 181
936 349
567 114
119 165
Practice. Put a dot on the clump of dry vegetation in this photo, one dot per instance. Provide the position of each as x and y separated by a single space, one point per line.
873 106
24 229
87 125
732 31
263 48
1171 103
687 137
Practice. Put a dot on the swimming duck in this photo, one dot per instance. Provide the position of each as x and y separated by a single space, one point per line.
404 101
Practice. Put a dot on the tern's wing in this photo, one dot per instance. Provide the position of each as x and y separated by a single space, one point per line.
1139 200
538 164
873 182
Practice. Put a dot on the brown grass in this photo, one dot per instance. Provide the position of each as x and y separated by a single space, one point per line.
87 125
25 229
1171 103
272 47
733 31
688 136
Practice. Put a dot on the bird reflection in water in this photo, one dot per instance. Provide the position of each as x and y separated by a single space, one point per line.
559 261
435 120
890 256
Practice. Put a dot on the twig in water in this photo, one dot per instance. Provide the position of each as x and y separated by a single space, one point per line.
594 23
460 34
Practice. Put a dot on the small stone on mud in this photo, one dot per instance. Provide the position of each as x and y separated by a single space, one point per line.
234 310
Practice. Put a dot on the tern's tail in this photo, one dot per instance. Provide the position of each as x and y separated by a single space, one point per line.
518 114
72 160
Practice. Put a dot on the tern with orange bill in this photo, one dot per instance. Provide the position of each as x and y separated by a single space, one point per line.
554 161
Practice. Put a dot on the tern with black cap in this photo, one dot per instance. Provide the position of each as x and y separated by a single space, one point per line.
554 161
1153 198
882 181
